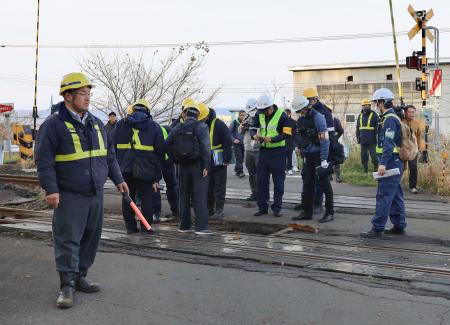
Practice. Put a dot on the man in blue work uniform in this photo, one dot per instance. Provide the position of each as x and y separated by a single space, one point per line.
190 148
314 146
221 146
389 200
74 157
316 104
140 150
366 134
273 127
168 174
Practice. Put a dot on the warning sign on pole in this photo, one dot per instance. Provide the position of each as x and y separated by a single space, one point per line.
5 108
436 86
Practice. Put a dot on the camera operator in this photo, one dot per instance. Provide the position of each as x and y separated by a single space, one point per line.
251 146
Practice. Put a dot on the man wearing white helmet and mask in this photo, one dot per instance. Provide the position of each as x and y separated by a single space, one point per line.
250 145
273 127
314 146
389 199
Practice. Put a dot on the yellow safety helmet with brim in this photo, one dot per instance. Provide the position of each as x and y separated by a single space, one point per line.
310 92
366 101
203 111
187 102
74 80
143 102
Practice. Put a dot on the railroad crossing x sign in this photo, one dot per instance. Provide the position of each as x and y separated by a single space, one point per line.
419 17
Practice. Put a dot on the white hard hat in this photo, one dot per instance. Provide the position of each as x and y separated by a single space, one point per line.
299 102
382 94
264 102
251 104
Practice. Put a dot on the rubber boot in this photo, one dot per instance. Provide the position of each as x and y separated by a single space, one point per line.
82 285
65 296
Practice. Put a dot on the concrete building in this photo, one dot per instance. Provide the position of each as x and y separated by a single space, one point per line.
342 86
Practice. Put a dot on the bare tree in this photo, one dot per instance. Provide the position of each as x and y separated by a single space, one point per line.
164 82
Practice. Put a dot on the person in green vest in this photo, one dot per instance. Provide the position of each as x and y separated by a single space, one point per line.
273 127
221 153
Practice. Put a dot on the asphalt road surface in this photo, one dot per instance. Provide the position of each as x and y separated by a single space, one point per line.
140 290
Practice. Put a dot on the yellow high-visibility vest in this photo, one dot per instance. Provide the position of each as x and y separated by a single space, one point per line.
79 152
270 129
136 143
367 127
379 150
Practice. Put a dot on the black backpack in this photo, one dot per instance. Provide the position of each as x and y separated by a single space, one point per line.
186 148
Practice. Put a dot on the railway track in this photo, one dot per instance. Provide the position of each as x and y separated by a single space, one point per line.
433 209
19 180
311 253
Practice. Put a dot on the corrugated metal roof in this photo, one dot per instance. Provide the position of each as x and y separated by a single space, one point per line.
355 65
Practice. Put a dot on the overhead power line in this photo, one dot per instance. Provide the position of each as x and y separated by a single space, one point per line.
218 43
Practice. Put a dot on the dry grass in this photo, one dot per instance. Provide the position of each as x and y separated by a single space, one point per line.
434 177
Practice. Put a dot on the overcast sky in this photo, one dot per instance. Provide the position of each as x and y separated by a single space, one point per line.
243 70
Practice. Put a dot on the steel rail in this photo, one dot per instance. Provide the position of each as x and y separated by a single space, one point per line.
20 180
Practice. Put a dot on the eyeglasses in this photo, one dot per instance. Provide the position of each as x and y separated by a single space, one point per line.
84 94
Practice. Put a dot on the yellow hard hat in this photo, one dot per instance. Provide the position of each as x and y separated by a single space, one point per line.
74 80
204 111
310 92
187 102
143 102
365 101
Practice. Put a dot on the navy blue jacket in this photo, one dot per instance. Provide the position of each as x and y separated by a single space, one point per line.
150 134
364 136
313 120
389 137
326 112
293 140
86 176
235 134
339 130
202 133
221 135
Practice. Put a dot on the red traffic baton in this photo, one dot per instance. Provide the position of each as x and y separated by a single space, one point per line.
139 214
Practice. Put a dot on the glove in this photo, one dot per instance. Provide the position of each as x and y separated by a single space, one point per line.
324 164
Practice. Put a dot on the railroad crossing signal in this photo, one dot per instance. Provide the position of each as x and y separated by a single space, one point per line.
420 17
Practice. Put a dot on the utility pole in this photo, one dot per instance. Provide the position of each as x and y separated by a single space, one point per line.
35 110
397 65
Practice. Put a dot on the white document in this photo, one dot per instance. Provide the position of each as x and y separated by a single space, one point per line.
387 173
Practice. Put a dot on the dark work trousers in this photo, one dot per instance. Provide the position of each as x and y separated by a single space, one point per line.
146 193
191 183
289 152
271 162
217 188
318 196
251 161
239 156
412 166
168 173
390 201
367 149
309 186
77 226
